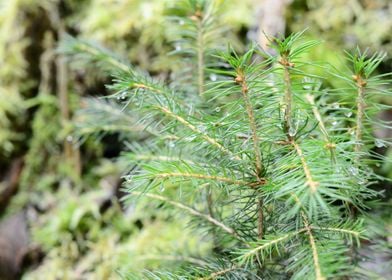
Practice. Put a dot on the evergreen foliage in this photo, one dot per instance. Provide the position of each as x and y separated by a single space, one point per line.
240 164
276 173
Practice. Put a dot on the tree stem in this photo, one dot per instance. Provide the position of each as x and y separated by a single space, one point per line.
308 174
260 218
360 115
308 228
253 128
256 147
316 260
287 99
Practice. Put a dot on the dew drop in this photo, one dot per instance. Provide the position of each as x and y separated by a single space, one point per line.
348 114
178 47
379 143
69 138
213 77
181 22
233 158
172 144
362 182
334 123
292 131
353 170
202 128
123 96
217 109
335 105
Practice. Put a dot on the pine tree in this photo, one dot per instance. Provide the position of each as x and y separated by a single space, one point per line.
270 162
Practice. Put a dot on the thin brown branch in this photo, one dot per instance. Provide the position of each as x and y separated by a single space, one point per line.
10 186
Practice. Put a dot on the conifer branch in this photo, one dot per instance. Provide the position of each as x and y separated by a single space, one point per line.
112 128
361 83
288 95
213 178
193 212
148 157
210 203
94 52
288 119
296 170
216 274
99 116
209 139
241 80
146 87
317 115
309 177
308 228
329 145
315 254
260 218
271 243
72 46
338 230
174 258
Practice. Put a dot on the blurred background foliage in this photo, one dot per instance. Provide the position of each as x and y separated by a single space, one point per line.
65 176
